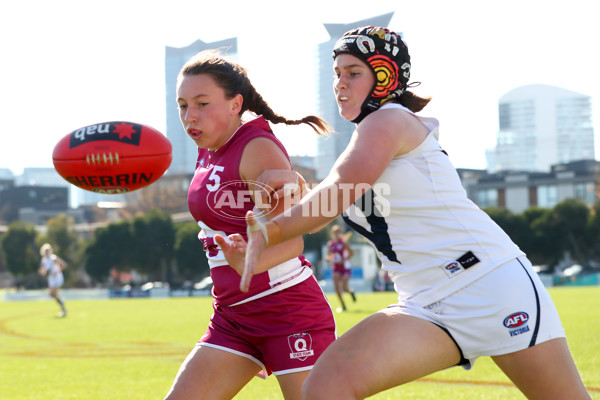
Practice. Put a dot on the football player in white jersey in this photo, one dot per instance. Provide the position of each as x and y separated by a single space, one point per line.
465 290
52 266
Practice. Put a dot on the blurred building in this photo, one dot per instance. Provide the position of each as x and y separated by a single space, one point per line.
520 190
36 196
329 148
33 204
540 126
185 151
6 174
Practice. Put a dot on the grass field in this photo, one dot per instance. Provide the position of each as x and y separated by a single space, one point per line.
132 349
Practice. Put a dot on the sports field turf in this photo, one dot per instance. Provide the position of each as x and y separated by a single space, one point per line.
132 349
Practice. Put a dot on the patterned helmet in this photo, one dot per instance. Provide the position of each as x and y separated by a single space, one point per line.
387 56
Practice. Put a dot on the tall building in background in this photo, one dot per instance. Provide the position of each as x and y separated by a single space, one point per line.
185 151
540 126
329 148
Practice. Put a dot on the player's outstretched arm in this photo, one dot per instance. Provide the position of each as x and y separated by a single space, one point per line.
257 236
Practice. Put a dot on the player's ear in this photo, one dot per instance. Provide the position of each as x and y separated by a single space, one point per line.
236 104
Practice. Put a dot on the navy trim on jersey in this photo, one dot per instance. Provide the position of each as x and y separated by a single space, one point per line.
537 302
379 228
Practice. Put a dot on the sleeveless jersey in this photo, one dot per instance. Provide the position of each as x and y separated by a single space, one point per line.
218 199
336 247
52 267
430 237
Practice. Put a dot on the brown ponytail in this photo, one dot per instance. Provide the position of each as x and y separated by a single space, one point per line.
413 102
233 79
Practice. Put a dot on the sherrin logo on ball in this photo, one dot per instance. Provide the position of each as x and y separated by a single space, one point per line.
112 157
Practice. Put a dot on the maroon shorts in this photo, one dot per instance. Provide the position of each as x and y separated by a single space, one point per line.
341 269
284 332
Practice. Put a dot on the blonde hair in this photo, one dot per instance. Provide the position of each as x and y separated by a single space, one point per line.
336 228
45 246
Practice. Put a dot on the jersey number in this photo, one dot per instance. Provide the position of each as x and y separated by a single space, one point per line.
213 187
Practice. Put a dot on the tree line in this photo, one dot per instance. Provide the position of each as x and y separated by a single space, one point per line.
156 247
150 244
547 235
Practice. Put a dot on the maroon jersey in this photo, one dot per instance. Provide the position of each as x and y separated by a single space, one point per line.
336 247
218 200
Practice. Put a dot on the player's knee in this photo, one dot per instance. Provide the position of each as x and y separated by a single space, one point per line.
325 386
312 389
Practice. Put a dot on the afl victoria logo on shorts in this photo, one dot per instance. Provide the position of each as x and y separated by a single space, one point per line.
300 346
517 323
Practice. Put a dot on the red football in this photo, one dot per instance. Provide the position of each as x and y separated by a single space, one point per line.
112 157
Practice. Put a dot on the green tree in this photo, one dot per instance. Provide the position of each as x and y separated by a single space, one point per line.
561 230
189 254
594 230
538 251
154 240
60 234
21 254
111 247
572 216
515 226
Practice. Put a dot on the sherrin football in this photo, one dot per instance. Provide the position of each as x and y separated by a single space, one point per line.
112 157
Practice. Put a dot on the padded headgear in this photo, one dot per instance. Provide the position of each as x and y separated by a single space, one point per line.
387 56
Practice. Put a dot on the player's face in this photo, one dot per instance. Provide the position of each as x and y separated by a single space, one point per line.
207 116
352 83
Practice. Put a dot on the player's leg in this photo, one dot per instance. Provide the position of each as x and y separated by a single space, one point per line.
212 374
301 326
337 283
545 371
346 286
291 384
352 367
53 290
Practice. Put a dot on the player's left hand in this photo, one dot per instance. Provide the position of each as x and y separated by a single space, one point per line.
234 250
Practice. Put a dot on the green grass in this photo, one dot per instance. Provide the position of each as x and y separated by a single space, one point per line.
132 349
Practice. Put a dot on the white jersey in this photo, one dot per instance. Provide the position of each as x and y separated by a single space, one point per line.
53 271
429 236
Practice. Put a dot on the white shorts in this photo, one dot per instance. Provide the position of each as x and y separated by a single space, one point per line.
506 310
56 281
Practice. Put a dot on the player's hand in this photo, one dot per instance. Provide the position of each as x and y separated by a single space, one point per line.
238 242
256 245
234 250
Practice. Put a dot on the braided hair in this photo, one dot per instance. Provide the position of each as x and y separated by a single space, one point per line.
233 79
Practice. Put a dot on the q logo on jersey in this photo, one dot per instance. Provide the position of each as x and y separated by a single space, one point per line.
300 346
